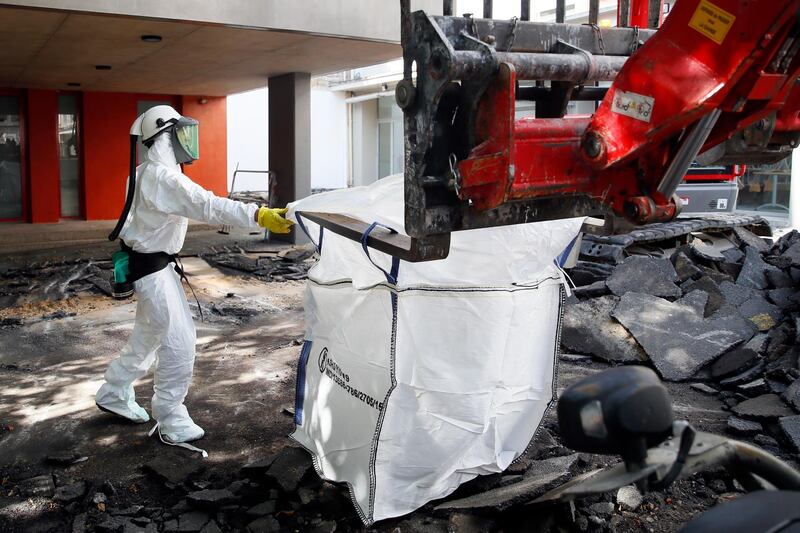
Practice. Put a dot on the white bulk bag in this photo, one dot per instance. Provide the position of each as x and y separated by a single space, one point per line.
417 377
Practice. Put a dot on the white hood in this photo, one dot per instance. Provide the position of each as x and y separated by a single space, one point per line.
161 152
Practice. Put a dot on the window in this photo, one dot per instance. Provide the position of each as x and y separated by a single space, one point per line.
10 159
69 155
765 187
390 138
384 149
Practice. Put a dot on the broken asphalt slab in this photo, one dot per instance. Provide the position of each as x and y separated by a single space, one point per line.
716 299
171 469
210 498
790 426
697 300
750 304
265 524
589 329
736 294
743 428
792 254
792 395
685 268
784 297
289 468
585 272
754 270
677 339
760 312
779 279
643 274
751 239
733 362
744 377
598 288
764 407
758 343
705 389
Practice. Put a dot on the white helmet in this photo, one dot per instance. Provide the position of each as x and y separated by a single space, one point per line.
153 121
185 140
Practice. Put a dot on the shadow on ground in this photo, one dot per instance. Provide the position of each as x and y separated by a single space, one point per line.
51 369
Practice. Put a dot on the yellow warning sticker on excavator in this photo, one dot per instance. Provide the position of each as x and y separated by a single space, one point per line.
711 21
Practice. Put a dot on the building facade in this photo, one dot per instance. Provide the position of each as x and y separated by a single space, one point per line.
74 74
64 154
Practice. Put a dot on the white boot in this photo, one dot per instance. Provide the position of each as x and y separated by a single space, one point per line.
121 402
178 429
178 426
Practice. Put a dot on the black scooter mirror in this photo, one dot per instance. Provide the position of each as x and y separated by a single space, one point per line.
622 411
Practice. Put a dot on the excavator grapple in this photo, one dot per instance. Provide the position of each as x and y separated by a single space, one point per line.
717 82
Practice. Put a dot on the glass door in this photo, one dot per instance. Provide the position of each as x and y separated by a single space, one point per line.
390 138
69 155
10 159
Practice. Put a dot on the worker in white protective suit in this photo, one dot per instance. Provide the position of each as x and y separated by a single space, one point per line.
153 232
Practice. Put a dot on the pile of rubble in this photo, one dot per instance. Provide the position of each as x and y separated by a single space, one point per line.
284 493
57 281
275 494
289 264
54 281
719 308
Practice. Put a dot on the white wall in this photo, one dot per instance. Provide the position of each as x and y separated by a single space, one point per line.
328 139
247 139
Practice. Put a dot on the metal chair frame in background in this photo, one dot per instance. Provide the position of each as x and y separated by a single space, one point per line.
271 181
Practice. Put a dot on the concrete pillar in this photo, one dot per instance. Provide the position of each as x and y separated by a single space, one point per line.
290 138
794 191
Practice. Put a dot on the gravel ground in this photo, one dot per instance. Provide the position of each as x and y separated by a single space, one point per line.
50 369
51 363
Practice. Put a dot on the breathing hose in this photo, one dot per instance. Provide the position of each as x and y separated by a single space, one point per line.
131 191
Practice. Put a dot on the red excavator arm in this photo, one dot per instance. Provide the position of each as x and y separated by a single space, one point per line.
718 81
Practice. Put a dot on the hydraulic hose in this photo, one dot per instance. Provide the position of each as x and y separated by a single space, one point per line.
131 191
765 465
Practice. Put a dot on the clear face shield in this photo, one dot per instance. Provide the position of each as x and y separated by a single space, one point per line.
186 140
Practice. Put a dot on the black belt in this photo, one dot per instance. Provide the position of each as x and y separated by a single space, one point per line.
141 264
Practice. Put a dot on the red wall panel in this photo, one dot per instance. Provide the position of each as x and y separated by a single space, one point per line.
43 165
106 122
107 119
211 170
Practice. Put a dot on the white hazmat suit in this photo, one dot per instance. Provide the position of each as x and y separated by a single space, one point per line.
164 331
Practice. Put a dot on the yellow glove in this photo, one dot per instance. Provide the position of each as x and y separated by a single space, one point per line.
272 219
